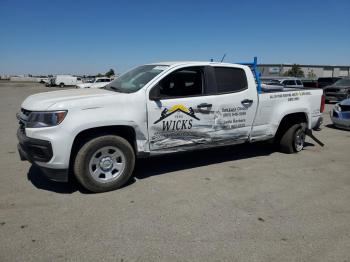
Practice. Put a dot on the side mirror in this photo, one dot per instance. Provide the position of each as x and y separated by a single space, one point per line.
154 94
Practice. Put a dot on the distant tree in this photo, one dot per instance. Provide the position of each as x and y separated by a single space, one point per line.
110 73
99 75
295 71
311 75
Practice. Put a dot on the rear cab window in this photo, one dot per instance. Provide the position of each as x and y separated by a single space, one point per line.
230 79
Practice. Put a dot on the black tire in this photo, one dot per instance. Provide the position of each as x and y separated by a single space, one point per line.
288 140
61 84
86 153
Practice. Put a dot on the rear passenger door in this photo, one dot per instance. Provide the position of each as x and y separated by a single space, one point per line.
235 104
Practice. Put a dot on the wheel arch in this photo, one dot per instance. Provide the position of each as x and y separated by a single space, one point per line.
127 132
289 120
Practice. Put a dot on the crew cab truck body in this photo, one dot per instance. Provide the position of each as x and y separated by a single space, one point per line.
156 109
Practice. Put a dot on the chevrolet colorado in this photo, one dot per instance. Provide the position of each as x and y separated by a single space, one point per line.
153 109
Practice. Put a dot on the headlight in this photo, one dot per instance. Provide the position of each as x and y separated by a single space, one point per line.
45 119
337 107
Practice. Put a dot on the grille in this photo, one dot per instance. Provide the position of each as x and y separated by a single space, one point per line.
345 108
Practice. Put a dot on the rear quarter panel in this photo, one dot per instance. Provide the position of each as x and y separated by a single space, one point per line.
274 106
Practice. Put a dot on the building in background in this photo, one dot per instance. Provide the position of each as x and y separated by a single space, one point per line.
310 71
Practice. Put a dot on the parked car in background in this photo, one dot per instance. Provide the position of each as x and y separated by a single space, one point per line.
310 83
269 85
338 91
340 115
43 80
326 81
291 82
99 82
50 82
66 80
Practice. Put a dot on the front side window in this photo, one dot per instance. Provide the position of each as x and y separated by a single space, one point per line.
230 79
299 82
135 79
182 83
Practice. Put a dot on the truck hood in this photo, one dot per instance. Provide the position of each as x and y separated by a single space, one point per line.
65 99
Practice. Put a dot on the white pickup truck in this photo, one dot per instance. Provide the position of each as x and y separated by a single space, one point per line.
154 109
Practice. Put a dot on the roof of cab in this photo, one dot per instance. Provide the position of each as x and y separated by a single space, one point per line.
181 63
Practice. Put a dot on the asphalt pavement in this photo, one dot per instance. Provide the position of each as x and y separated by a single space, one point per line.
239 203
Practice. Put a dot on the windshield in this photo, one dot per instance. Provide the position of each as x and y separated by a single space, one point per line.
135 79
342 82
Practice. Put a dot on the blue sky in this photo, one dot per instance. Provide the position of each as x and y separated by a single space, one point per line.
82 37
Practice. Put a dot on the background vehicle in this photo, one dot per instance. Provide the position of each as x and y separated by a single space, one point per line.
326 81
310 83
157 109
67 80
338 91
99 82
340 115
289 82
268 85
43 80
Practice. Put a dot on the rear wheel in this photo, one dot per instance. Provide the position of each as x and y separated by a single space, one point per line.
293 139
104 163
61 84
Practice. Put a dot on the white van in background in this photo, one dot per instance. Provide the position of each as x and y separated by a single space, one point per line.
67 80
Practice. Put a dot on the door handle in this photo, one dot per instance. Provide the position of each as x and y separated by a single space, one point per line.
204 105
247 102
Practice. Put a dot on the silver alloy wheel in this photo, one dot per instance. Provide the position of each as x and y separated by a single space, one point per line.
299 139
107 164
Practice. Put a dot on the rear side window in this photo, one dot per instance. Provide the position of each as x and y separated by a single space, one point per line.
230 79
289 82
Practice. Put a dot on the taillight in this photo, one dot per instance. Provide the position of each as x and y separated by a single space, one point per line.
323 102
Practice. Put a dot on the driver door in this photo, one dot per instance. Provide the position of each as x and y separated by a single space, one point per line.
181 117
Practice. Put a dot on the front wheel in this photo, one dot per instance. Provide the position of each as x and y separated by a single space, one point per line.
104 163
293 139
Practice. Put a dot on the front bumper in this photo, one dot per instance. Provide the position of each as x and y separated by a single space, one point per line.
37 150
340 119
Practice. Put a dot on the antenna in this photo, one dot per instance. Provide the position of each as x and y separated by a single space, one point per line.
223 57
